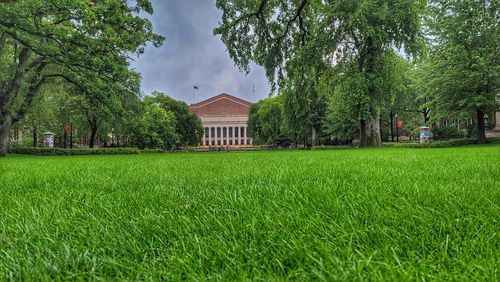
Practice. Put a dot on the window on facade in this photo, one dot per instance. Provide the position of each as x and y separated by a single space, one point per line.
206 132
235 142
242 131
218 132
231 142
218 142
236 132
213 143
213 131
230 132
225 142
224 132
207 143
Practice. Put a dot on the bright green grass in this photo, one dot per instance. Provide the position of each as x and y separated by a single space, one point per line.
387 214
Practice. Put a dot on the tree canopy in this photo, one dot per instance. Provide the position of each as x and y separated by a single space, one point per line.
282 36
461 75
85 43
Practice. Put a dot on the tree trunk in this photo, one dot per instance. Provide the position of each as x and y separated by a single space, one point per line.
425 112
313 137
481 134
34 136
392 126
370 133
93 134
370 128
5 125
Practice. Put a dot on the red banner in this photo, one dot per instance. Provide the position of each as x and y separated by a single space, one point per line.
400 123
67 127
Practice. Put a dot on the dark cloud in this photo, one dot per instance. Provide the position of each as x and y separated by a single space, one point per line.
192 55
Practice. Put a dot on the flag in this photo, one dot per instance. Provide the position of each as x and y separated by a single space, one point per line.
195 87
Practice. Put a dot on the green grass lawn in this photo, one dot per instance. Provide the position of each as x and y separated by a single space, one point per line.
386 214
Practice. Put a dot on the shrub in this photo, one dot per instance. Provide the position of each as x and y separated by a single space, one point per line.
42 151
338 147
153 151
446 133
494 140
433 144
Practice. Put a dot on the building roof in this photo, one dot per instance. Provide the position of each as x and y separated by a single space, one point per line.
220 97
222 105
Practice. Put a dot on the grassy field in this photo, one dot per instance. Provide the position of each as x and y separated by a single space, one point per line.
387 214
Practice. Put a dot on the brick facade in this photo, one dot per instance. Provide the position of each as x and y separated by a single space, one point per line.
224 119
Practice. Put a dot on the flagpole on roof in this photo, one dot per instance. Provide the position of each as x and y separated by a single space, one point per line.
194 97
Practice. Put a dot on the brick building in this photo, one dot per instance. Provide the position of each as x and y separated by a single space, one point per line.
224 119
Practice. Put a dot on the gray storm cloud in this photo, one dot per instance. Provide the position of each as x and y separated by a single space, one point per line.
192 55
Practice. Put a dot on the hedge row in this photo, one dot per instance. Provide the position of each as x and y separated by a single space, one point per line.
42 151
433 144
333 147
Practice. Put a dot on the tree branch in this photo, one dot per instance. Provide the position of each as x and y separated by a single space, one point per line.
35 86
295 17
257 14
3 40
16 79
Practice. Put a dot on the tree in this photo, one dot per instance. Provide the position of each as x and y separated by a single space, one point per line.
274 33
187 125
44 114
270 115
462 73
254 123
158 128
85 43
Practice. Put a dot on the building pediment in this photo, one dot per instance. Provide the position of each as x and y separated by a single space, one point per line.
221 105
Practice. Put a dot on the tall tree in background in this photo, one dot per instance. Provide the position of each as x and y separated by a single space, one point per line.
72 40
304 107
271 33
158 127
187 125
462 74
270 115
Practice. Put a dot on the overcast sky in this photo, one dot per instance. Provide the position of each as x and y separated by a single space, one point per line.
192 55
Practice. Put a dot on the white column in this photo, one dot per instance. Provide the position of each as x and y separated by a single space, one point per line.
209 136
239 135
222 135
245 132
216 136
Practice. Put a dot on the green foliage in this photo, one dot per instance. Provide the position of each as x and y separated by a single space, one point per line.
341 215
43 151
265 122
87 44
271 117
433 144
295 41
462 73
187 125
446 132
254 123
158 128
